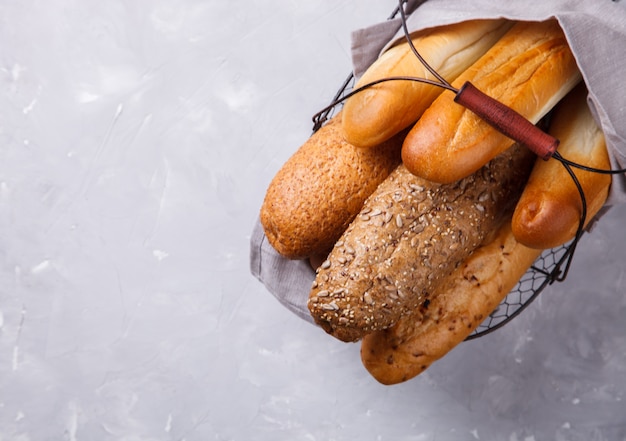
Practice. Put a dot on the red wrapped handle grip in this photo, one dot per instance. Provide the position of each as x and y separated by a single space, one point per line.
506 120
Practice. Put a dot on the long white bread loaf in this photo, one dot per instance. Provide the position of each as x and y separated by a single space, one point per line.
550 208
529 69
379 112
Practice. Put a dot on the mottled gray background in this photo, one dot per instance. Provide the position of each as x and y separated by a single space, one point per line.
136 142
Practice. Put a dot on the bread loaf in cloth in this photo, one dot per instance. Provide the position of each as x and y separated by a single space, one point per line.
596 32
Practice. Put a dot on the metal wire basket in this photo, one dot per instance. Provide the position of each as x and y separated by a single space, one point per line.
551 266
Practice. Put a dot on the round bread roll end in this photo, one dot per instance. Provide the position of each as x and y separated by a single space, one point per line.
549 211
429 150
531 218
377 103
381 361
315 195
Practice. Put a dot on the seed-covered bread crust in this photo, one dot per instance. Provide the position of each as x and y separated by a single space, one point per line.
318 191
458 306
410 234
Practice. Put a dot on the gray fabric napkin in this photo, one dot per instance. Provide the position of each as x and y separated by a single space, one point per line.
596 32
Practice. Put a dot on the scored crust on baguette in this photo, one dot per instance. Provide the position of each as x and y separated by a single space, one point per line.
380 111
529 69
550 208
318 191
410 234
456 308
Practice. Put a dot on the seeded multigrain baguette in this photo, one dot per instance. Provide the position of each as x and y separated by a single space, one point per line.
319 190
457 307
410 234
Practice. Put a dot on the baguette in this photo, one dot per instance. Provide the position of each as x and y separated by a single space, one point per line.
550 208
380 111
529 69
456 309
410 234
318 191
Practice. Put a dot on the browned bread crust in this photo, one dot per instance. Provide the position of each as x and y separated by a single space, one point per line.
456 308
549 210
379 112
409 236
529 69
319 190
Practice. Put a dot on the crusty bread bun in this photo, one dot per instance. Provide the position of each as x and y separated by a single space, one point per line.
318 191
379 112
410 234
529 69
456 309
550 208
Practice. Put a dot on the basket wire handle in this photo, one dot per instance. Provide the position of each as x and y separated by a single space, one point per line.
504 119
511 124
515 126
501 117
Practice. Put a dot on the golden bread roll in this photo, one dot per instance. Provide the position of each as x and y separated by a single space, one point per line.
529 69
380 111
550 208
319 190
408 237
456 308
